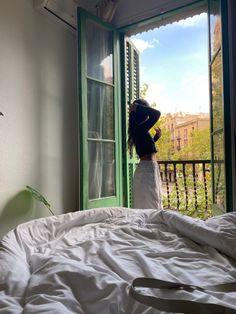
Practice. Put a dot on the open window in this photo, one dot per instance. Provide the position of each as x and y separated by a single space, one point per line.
99 113
219 106
218 90
109 78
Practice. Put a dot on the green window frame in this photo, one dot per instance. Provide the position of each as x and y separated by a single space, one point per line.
100 148
130 88
220 107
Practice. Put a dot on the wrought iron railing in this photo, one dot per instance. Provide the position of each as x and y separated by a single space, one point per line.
186 186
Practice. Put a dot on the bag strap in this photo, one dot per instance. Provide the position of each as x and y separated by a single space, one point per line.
178 305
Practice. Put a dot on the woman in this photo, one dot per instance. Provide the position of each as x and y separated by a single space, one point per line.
147 181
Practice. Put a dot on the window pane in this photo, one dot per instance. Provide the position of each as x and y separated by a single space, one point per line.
217 105
101 169
219 186
219 177
100 111
218 142
99 52
215 26
217 93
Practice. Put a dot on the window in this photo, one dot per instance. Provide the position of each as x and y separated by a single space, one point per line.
100 139
185 134
217 105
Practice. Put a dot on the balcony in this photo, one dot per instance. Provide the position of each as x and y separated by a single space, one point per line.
186 187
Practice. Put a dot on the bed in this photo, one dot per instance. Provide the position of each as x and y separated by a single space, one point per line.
85 262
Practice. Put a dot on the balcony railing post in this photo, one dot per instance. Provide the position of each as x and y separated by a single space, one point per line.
167 184
185 187
195 185
176 187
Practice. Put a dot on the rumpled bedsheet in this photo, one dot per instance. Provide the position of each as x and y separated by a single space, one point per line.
84 262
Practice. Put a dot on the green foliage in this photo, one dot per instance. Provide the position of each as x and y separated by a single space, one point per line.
165 149
39 197
194 202
198 148
143 90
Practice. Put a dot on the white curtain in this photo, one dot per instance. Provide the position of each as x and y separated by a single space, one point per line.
100 112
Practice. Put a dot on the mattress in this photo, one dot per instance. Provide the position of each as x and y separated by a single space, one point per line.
85 261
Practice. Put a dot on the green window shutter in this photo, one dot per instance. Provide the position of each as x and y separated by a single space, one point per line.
99 113
132 92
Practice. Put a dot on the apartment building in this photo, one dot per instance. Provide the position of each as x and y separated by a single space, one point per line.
182 124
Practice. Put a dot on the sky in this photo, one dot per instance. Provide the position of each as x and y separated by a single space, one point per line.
174 64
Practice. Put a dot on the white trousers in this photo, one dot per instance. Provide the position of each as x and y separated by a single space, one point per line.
147 191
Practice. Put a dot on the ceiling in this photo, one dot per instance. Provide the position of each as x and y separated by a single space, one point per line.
121 13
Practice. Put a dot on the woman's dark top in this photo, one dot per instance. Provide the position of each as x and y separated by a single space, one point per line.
144 142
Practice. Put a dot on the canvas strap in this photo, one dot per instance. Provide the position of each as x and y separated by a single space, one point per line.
181 305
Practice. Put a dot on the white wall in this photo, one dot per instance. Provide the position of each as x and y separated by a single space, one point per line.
38 133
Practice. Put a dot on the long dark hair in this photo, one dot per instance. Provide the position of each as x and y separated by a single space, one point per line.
134 120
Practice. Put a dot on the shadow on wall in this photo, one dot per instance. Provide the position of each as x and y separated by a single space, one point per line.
18 210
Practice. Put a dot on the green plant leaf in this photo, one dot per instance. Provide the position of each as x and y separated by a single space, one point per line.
39 197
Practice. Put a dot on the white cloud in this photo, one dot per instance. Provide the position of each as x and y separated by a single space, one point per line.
191 94
142 70
156 41
156 93
141 44
195 91
194 81
196 20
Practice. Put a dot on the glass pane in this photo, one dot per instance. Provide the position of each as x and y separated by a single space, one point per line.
217 106
101 169
219 186
219 182
215 26
99 52
218 142
217 93
100 111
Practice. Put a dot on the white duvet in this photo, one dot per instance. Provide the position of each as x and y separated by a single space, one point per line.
84 262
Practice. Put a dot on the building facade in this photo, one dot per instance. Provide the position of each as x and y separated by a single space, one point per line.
181 125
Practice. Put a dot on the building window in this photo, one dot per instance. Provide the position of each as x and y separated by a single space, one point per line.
185 134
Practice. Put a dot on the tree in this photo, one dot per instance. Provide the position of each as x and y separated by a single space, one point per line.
198 148
164 145
143 90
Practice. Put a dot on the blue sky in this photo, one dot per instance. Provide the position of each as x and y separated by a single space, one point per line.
174 63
